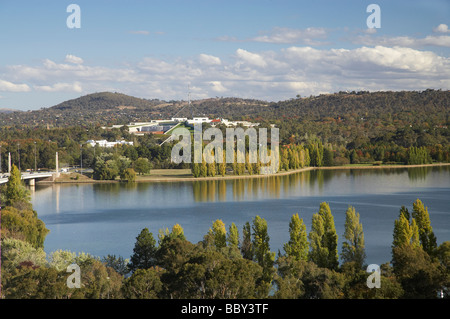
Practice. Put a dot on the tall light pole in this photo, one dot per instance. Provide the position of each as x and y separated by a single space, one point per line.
18 152
0 158
81 158
35 162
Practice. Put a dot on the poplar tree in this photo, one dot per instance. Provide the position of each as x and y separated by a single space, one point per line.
405 232
219 234
203 168
298 245
223 166
284 162
263 256
318 253
426 234
353 249
233 236
323 239
247 248
260 239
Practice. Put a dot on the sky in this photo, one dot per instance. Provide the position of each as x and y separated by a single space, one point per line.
259 49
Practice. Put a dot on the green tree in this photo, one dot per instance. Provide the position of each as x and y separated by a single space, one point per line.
203 168
426 234
219 234
247 247
195 169
223 166
143 284
419 275
105 169
233 236
405 232
30 282
128 175
324 239
119 264
142 165
353 248
16 251
16 194
23 224
144 251
263 256
299 279
298 245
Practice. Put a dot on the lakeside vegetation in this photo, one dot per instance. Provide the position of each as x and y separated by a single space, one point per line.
405 127
228 263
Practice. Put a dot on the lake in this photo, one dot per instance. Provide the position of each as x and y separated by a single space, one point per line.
103 219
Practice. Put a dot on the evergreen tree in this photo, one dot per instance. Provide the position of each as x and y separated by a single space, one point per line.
298 245
426 234
144 251
16 193
353 249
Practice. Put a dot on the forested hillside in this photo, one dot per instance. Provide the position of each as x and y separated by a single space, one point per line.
353 127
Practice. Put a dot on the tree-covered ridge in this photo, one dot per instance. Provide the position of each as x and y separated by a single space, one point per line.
381 108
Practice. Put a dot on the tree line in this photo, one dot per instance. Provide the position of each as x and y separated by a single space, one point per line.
226 263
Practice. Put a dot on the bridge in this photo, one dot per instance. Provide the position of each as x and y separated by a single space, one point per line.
30 177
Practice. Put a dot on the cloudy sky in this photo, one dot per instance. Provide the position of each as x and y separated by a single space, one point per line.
263 49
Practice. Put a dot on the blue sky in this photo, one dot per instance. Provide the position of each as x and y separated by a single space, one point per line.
271 50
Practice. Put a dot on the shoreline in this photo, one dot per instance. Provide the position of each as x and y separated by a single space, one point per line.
150 179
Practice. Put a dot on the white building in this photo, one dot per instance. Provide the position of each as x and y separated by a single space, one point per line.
199 120
105 143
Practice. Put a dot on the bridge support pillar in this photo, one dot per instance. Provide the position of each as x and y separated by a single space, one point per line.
32 182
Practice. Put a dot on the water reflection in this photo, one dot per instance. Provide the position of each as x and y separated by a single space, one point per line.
418 173
311 182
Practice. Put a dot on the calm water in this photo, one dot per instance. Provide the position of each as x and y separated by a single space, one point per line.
105 219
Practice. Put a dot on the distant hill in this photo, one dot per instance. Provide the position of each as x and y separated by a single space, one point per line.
5 110
107 108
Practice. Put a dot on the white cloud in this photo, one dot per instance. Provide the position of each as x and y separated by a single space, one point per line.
73 59
287 35
140 32
404 41
60 87
7 86
209 59
442 28
217 87
271 75
251 58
